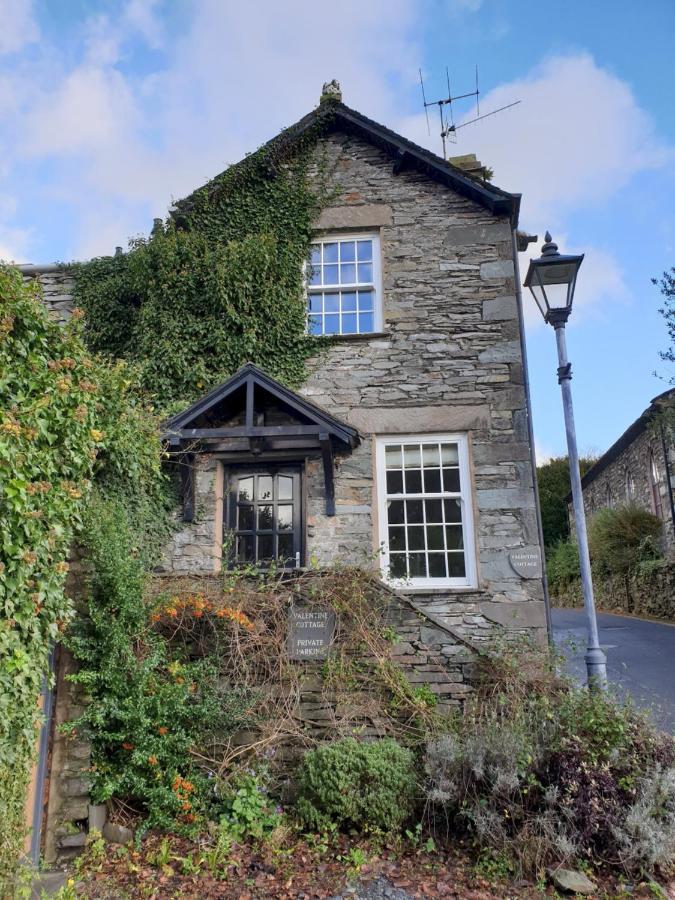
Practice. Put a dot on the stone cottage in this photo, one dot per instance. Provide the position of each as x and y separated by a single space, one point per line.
638 468
409 447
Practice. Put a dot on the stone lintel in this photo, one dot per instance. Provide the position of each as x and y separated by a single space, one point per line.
418 419
464 235
366 215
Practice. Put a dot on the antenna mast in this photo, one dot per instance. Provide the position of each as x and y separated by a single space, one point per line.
447 122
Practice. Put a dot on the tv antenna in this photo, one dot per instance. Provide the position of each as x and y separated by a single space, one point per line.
448 127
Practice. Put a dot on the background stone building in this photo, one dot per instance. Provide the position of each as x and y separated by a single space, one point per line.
408 449
638 468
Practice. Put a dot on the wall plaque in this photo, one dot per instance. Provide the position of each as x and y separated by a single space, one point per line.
526 562
310 632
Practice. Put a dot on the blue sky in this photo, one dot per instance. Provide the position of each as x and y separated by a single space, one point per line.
110 110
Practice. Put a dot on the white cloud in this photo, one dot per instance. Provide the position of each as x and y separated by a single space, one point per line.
17 25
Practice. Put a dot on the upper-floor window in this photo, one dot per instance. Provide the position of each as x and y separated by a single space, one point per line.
630 487
344 293
654 484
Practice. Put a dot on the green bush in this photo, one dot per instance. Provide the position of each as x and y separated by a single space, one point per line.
562 563
622 538
549 773
354 784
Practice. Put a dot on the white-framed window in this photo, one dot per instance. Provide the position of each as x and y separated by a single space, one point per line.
344 293
425 511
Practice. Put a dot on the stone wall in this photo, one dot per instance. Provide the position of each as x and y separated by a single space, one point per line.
57 288
609 488
650 592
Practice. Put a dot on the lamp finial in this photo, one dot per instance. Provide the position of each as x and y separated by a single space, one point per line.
550 248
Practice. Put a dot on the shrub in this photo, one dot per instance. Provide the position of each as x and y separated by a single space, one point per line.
562 563
349 783
620 539
548 772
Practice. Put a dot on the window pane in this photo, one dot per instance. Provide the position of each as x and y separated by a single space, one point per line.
349 301
437 565
412 457
418 565
330 274
315 254
393 457
456 567
366 323
453 534
433 510
245 518
331 303
347 273
331 324
451 480
286 553
365 301
349 323
397 538
347 251
315 324
395 482
415 537
284 518
397 567
432 481
365 273
435 537
395 511
315 302
414 510
314 275
365 251
246 489
413 481
330 253
265 487
453 510
285 487
430 456
450 454
265 547
245 552
265 518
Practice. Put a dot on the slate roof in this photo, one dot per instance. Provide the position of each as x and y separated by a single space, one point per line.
333 115
630 434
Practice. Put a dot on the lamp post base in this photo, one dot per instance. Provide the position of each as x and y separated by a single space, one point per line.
596 667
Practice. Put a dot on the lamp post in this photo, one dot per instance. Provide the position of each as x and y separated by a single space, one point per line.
552 279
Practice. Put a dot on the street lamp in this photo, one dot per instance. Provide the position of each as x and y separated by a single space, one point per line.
552 279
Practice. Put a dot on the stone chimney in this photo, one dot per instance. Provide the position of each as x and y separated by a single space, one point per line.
331 91
469 164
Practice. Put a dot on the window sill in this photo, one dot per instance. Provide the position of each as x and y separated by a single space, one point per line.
346 338
430 591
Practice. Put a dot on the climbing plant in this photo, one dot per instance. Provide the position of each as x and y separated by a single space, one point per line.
219 284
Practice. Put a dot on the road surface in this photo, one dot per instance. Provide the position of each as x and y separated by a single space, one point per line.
640 657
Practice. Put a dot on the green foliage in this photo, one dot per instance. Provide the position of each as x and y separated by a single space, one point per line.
196 300
48 435
666 285
622 538
248 809
543 772
350 783
553 479
149 709
562 563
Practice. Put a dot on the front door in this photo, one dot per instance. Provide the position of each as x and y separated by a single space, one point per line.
264 517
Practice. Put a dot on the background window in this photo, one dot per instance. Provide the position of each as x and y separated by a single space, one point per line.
657 506
343 288
425 511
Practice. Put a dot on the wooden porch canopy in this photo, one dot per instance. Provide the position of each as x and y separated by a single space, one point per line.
252 417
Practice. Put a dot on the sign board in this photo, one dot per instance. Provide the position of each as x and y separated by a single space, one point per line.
310 632
526 562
